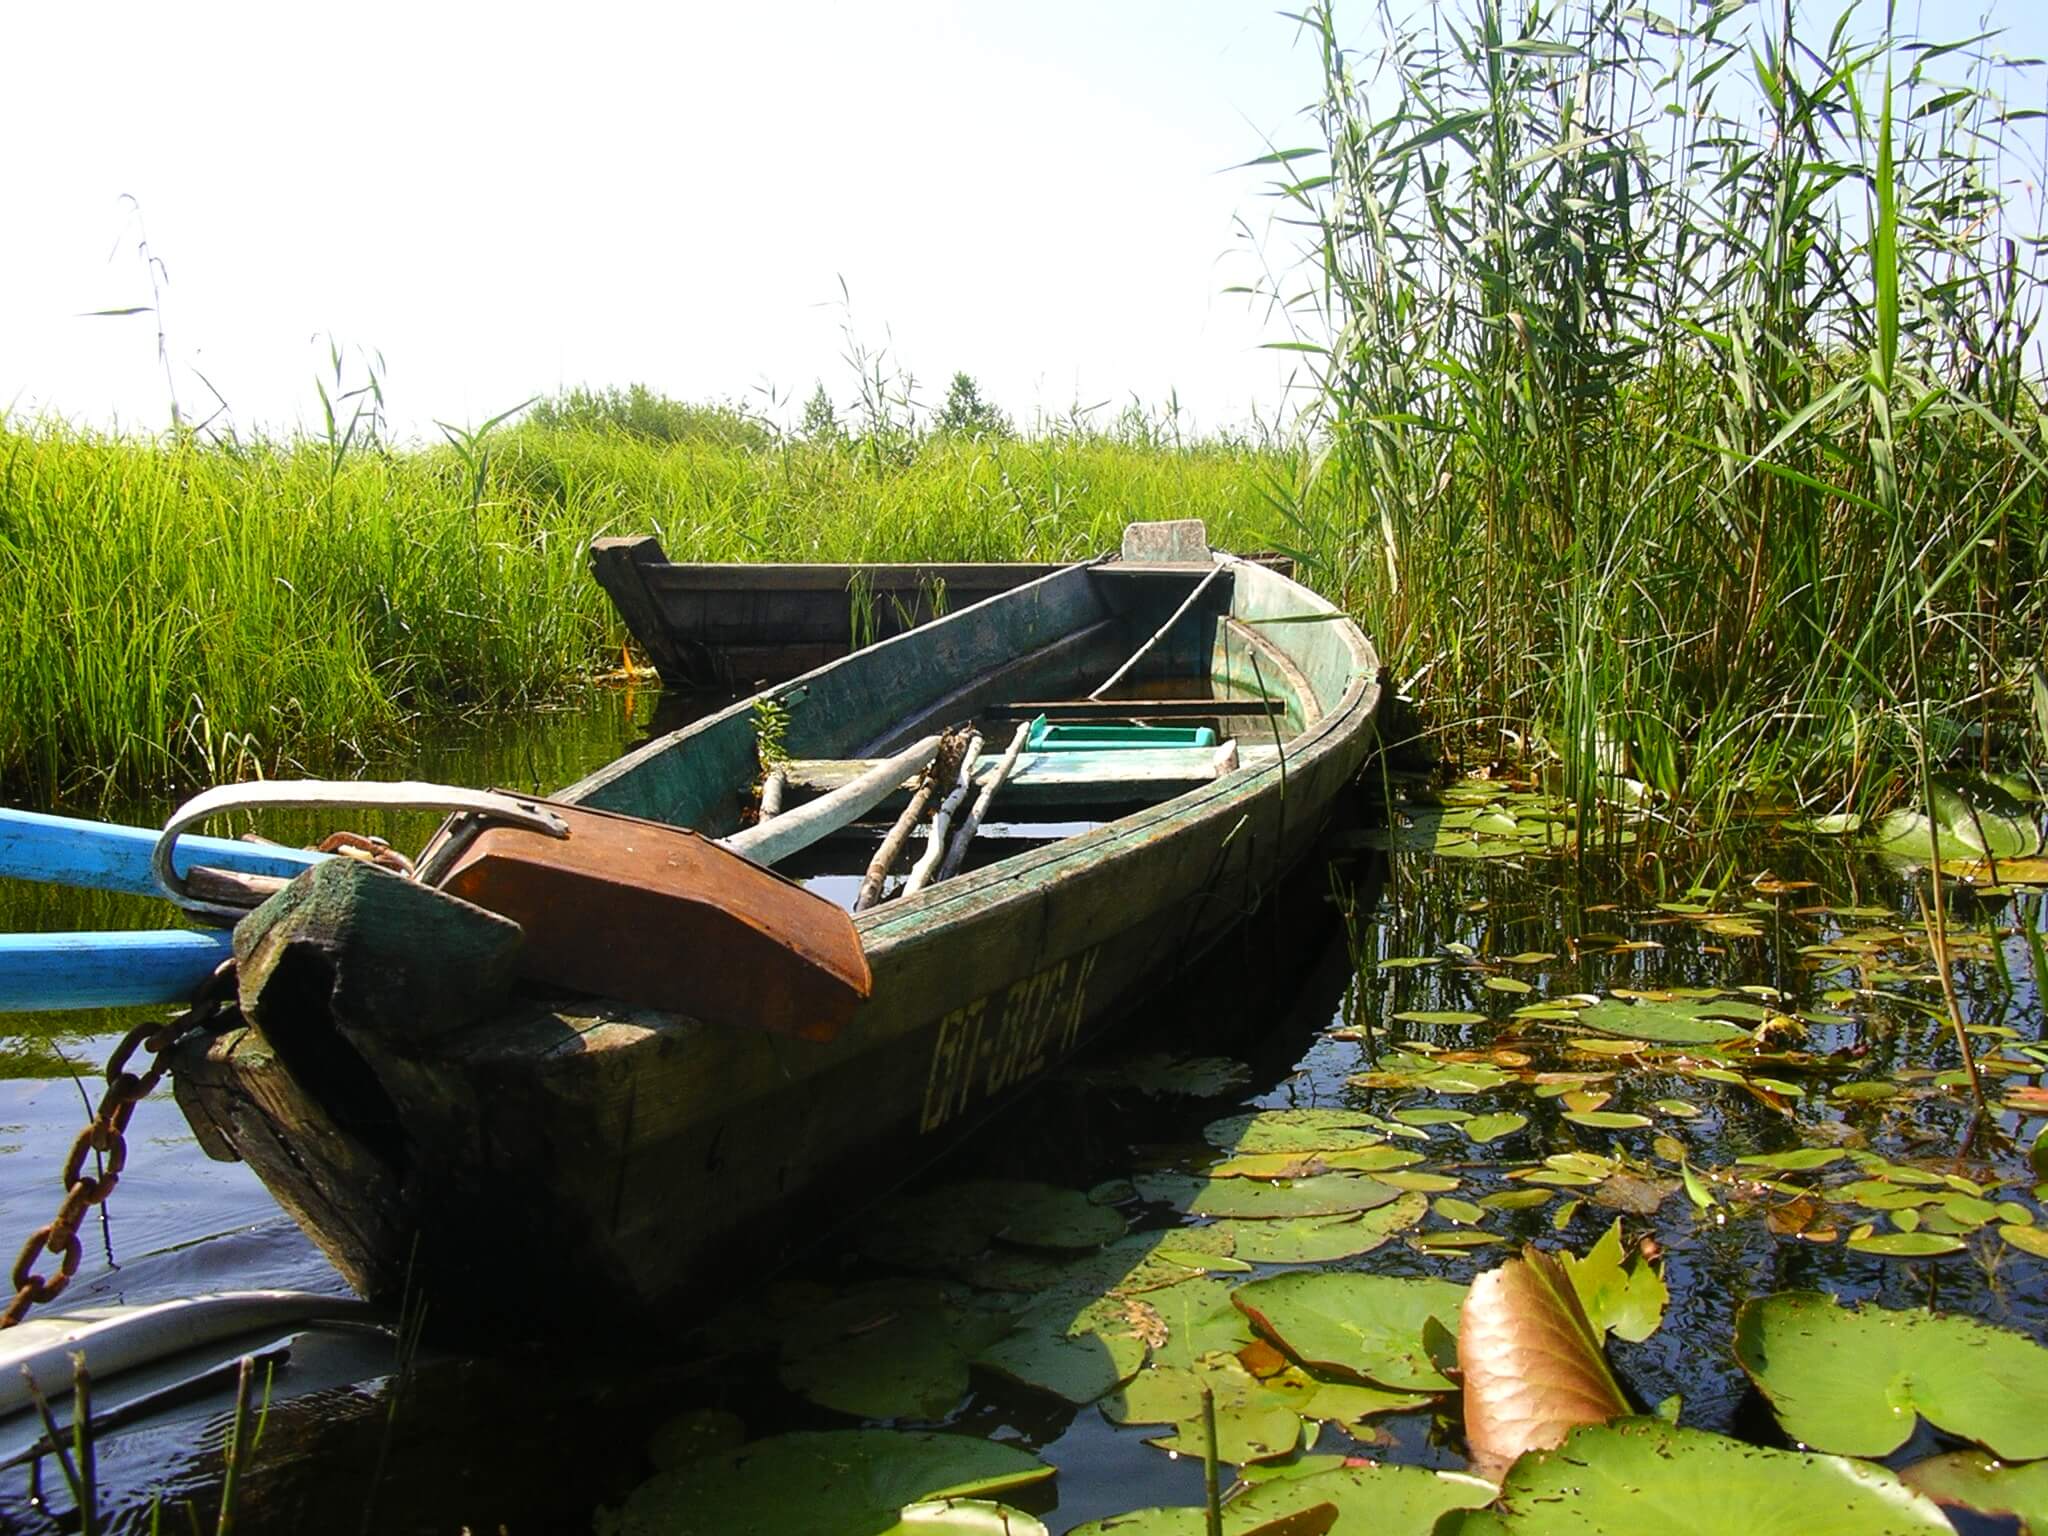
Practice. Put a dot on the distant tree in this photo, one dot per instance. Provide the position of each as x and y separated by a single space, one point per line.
820 423
968 415
640 412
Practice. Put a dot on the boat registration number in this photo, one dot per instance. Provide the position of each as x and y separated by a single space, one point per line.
1003 1038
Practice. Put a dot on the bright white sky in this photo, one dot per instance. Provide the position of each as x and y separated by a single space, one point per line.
506 201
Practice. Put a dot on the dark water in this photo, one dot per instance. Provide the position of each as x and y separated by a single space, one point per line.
1301 997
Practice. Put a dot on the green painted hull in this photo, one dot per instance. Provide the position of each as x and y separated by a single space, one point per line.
536 1157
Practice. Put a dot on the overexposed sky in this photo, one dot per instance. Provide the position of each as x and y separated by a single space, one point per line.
507 200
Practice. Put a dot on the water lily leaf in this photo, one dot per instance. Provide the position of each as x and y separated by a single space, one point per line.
1797 1160
1256 1431
1516 1199
1440 1016
1432 1116
1975 817
1462 1213
1485 1128
1199 1321
964 1517
1676 1023
847 1482
1414 1179
1304 1165
1328 1194
1357 1327
1632 1193
1605 1479
1340 1402
1159 1075
955 1222
2032 1240
1510 984
1624 1299
1387 1498
1078 1354
1430 1242
1294 1130
893 1351
1907 1245
1169 1394
1530 1362
1384 1498
1319 1239
1972 1480
1607 1119
1852 1379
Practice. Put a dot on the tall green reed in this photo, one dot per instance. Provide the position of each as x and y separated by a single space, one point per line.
1679 396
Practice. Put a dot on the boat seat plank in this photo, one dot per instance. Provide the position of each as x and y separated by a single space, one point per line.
1056 778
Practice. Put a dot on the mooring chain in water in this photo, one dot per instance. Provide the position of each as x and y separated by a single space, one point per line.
106 1135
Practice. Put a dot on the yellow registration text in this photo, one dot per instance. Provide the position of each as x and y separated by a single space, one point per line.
1006 1037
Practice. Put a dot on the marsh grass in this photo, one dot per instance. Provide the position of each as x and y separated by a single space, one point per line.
180 611
1679 389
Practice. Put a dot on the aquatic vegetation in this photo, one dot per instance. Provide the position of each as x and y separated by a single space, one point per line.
1680 393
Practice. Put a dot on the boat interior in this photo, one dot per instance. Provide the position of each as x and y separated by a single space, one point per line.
1132 681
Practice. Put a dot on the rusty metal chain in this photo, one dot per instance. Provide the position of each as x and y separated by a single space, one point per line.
106 1137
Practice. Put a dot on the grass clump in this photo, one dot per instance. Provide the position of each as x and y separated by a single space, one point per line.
1680 398
180 611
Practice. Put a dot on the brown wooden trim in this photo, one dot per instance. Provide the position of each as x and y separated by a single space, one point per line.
1134 709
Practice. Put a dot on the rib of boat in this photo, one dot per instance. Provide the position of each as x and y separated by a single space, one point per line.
587 1050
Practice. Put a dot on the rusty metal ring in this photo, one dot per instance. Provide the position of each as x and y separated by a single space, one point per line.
24 1263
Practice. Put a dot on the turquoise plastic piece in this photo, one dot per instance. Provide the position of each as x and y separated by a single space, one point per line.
1098 738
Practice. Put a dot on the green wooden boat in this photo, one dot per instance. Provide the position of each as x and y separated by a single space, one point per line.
442 1115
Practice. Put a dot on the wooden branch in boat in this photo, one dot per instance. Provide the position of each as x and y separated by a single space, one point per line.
892 845
1158 634
1134 709
958 852
767 841
942 823
771 792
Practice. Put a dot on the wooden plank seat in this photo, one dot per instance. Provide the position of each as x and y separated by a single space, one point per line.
1129 775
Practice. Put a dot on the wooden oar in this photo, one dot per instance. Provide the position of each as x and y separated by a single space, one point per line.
64 850
49 972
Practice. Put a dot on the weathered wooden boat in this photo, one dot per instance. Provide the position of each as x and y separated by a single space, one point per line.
718 625
632 1055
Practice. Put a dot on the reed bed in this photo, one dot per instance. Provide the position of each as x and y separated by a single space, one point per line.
181 611
1680 406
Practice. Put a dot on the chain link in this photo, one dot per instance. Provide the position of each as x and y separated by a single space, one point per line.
106 1136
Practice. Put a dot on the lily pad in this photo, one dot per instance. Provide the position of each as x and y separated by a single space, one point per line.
1294 1130
1306 1165
1440 1016
848 1482
1642 1474
1485 1128
1327 1194
1852 1379
1319 1239
1662 1023
953 1223
898 1350
1388 1498
1907 1245
964 1517
1079 1356
1357 1327
1625 1299
1973 1480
